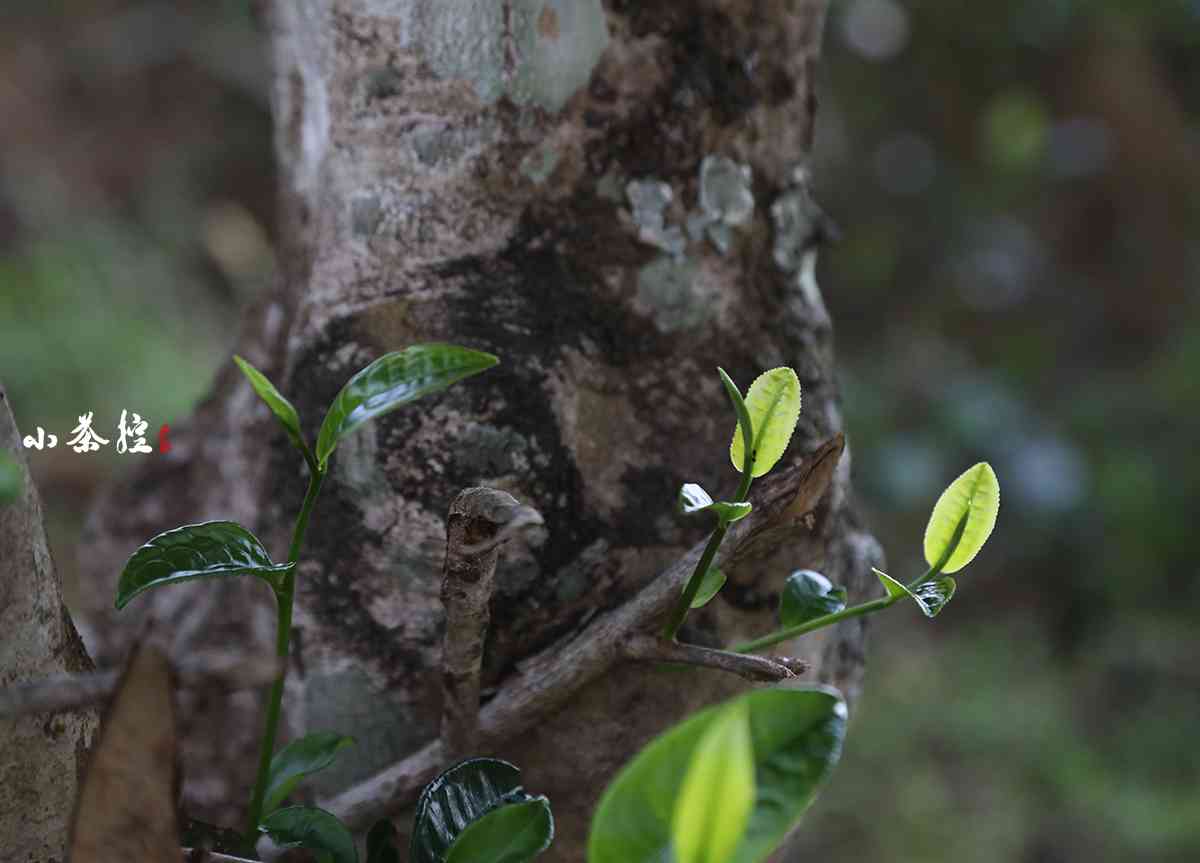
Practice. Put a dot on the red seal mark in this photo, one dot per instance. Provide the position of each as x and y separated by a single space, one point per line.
164 445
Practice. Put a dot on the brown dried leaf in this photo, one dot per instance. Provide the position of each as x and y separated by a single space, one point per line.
792 511
126 809
816 476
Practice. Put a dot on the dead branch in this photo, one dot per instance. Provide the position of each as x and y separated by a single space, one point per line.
758 669
479 521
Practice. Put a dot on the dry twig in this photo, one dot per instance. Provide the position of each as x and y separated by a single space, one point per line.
479 522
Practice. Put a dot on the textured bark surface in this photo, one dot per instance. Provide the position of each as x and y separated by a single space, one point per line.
41 755
456 171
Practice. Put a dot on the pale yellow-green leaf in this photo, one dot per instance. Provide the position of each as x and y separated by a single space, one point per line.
773 404
717 794
975 495
893 587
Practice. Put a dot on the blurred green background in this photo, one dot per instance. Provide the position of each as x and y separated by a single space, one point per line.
1017 185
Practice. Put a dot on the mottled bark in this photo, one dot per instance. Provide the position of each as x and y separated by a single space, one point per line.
457 171
41 754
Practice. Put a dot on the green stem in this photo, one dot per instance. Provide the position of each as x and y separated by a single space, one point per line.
856 610
816 623
684 605
679 613
936 570
283 636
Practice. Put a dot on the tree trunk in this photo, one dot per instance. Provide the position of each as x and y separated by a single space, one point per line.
459 170
41 755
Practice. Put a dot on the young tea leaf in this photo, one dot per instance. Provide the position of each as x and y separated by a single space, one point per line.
728 513
126 806
710 586
312 828
744 424
298 759
773 404
717 793
796 738
208 550
806 595
931 597
894 588
280 406
515 833
974 496
381 843
693 499
393 380
458 797
10 479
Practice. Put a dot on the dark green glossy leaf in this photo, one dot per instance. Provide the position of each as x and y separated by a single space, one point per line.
459 796
808 594
796 736
208 550
280 406
693 498
515 833
393 380
381 843
299 758
312 828
931 597
10 479
717 794
744 423
710 585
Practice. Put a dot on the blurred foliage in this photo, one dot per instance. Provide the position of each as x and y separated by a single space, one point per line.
1017 185
136 204
1018 190
116 343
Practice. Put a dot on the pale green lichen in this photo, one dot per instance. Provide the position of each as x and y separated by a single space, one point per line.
463 39
666 287
725 194
794 214
557 45
648 200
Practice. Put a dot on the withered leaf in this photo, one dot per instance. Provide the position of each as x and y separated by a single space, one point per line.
790 510
126 808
